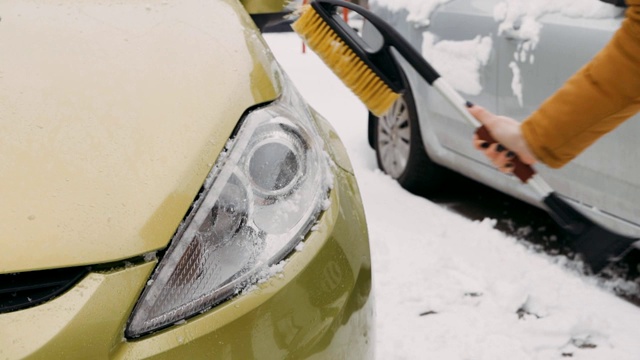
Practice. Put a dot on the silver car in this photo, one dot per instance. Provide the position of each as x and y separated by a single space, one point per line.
520 59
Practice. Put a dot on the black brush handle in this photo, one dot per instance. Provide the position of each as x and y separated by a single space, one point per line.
523 171
393 38
381 62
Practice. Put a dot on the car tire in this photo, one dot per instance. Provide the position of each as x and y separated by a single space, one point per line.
400 151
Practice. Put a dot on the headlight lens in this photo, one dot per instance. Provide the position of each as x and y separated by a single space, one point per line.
262 196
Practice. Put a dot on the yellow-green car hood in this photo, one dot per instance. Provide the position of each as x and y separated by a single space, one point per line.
111 115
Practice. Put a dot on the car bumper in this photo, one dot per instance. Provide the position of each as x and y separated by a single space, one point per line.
319 305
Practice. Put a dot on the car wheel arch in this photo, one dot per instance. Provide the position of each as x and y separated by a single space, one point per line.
421 175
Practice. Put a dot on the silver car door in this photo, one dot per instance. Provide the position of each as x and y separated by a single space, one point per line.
458 42
531 67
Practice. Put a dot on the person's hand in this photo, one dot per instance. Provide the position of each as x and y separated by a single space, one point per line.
510 142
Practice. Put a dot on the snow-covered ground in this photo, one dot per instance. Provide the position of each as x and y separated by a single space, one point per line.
450 288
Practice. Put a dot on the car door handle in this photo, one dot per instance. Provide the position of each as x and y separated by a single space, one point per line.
513 32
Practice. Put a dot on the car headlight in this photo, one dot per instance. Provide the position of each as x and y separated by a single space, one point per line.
263 195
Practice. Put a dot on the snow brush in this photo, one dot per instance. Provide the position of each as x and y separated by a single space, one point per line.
374 77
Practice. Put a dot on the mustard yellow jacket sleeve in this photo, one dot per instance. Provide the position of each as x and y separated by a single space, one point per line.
596 99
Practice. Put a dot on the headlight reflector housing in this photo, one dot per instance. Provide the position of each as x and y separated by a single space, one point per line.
260 199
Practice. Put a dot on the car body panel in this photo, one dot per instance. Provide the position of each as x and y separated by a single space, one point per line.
117 112
450 129
318 305
86 174
599 176
599 182
78 323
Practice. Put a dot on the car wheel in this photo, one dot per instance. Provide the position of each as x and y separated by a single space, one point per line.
400 150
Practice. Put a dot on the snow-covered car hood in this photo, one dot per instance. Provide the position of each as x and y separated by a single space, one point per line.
111 117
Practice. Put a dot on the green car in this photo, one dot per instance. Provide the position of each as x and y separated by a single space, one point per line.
166 193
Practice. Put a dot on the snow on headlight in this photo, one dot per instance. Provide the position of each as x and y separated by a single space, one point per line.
263 195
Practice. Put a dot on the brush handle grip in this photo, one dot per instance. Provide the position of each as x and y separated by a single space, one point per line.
522 171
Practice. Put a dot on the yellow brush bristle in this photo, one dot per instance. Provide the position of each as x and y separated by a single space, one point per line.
373 91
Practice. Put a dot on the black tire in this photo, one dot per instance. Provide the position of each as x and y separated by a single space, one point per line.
400 151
